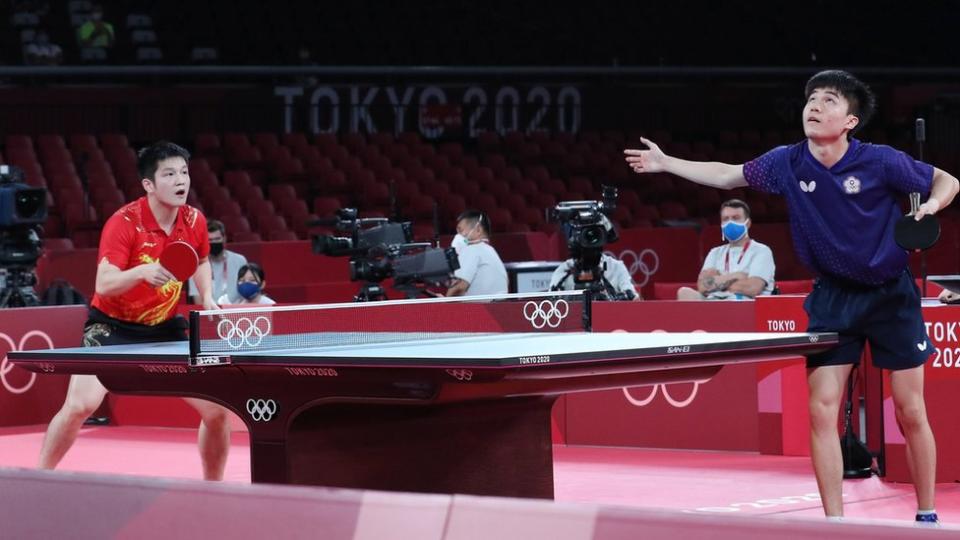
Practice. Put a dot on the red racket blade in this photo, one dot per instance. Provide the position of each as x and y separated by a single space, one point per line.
180 259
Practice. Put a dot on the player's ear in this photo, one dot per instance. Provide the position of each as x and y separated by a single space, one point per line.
148 185
852 122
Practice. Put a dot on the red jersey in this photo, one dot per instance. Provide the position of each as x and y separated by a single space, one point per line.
133 237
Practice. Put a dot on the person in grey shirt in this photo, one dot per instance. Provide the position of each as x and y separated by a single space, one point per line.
741 269
481 270
224 263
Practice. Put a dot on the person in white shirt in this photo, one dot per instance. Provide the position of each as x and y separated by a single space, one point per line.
741 269
481 270
616 278
614 283
224 263
251 281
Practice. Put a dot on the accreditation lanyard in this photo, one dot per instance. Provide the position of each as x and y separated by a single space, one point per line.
726 264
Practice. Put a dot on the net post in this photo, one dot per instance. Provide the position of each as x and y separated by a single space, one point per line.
588 311
194 334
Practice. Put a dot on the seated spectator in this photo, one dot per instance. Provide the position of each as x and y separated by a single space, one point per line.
96 32
224 263
41 52
251 282
738 270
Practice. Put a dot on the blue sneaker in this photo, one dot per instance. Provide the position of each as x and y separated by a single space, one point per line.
928 520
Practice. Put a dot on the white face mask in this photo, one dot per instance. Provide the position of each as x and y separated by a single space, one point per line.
461 240
458 242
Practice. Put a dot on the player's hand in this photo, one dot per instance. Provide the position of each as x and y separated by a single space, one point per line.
155 275
948 297
930 207
208 303
646 161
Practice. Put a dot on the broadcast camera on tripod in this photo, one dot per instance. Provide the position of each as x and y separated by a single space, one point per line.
23 209
379 249
588 229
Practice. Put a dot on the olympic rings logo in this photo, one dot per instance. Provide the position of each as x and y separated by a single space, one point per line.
645 263
261 410
546 313
6 366
460 374
662 387
243 331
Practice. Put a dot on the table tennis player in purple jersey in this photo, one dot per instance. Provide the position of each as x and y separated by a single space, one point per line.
842 196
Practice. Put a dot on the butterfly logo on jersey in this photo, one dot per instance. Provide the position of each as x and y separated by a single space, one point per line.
808 187
851 185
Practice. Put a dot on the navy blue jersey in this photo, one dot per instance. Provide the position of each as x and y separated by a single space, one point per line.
842 217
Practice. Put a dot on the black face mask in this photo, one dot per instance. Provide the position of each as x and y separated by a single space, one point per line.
216 248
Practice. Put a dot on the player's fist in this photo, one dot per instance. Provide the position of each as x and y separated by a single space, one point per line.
155 275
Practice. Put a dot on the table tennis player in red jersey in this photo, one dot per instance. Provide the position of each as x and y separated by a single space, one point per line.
136 297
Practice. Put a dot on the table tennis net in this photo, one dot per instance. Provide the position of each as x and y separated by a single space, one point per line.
299 327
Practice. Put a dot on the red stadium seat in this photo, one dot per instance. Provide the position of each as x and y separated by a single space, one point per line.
668 290
114 141
234 140
57 244
466 188
235 224
206 143
245 237
282 235
266 141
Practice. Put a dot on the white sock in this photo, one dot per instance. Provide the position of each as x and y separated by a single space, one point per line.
834 518
926 512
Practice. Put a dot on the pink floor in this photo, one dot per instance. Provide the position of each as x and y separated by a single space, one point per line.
702 482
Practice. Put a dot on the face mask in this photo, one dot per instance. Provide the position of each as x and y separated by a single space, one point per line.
459 242
734 231
216 248
248 289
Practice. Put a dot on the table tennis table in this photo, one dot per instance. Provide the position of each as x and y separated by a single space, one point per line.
465 411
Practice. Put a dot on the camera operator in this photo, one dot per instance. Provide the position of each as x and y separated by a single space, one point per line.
614 279
481 270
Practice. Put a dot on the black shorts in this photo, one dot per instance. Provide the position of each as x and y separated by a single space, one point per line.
888 315
101 329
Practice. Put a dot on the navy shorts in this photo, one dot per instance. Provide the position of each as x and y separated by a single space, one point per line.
887 315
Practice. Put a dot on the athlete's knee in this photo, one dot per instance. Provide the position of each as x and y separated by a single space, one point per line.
911 415
80 406
823 412
214 417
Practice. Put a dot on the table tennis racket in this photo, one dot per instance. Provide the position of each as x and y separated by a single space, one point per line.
180 259
913 235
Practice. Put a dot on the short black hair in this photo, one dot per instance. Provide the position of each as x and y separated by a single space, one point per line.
214 225
475 216
862 101
254 268
149 157
736 203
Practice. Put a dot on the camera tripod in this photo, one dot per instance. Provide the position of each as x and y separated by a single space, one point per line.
371 292
16 287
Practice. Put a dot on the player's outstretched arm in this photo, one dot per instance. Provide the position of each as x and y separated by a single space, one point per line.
707 173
